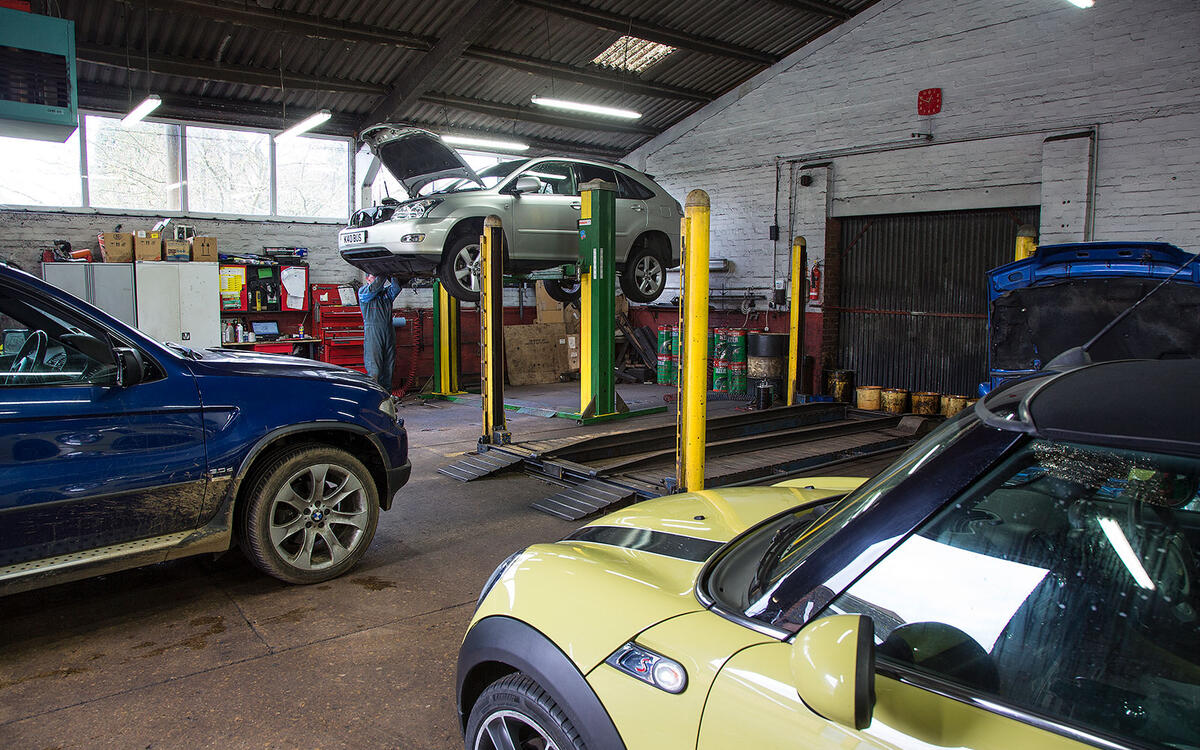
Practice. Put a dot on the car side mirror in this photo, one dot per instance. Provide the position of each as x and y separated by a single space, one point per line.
131 368
833 668
527 185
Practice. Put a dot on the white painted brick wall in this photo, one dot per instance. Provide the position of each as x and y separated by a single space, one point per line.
1005 67
24 234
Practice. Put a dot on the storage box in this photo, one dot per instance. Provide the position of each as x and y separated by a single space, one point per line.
147 246
204 249
548 310
116 247
176 250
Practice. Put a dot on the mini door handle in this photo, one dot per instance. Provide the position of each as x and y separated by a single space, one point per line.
576 206
638 208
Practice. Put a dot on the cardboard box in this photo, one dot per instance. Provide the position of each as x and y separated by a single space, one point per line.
535 353
147 246
573 354
176 250
204 249
548 311
116 247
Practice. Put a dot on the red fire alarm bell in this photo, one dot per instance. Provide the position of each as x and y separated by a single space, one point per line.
929 102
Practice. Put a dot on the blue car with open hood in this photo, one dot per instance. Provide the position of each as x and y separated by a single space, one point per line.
1063 295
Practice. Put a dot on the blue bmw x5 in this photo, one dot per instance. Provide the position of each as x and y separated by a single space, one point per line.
117 451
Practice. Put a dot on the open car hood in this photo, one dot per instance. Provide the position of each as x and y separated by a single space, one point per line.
1064 295
415 157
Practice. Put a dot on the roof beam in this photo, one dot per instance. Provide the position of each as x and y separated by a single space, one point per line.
290 22
317 27
511 112
417 78
113 57
828 10
108 98
651 31
600 78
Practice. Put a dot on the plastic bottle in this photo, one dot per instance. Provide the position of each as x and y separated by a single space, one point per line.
241 332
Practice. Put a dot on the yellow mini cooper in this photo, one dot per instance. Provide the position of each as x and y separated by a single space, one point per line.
1022 578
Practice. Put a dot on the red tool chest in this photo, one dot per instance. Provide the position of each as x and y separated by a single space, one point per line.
339 326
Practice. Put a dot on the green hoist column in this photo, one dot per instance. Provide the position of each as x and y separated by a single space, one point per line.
446 349
597 281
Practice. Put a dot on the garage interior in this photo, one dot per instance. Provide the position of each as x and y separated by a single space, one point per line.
863 165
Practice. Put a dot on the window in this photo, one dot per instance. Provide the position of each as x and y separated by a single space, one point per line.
132 167
39 173
1064 584
229 171
310 178
554 177
588 172
43 345
627 187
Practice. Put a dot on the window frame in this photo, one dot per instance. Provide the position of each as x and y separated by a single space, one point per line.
184 212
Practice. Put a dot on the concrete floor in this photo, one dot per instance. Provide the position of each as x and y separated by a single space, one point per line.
197 653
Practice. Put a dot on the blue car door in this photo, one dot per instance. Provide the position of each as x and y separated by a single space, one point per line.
89 462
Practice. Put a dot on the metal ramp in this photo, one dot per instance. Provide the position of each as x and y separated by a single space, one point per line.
480 465
585 499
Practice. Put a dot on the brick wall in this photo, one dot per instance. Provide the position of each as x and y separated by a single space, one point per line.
24 234
1014 73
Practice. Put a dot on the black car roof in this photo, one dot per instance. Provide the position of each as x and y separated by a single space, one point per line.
1140 404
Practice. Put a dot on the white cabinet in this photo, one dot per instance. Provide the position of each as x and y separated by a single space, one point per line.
179 302
108 286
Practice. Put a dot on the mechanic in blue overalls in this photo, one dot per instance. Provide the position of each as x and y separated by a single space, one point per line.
379 339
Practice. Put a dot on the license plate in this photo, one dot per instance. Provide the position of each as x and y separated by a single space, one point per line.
354 238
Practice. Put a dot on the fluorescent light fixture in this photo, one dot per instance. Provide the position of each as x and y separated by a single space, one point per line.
463 140
593 109
138 113
1082 3
1117 539
305 125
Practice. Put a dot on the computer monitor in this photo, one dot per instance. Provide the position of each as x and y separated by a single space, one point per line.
265 328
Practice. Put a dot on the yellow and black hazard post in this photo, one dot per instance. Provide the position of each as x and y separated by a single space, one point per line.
796 312
447 343
491 332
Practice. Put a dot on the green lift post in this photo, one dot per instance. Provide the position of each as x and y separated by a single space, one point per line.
598 397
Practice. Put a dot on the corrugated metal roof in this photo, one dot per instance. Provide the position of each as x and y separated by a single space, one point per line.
215 50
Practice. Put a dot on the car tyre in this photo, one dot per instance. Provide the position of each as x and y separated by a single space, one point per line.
645 274
517 709
459 269
311 514
560 291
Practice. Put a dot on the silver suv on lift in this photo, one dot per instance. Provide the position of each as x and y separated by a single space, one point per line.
436 231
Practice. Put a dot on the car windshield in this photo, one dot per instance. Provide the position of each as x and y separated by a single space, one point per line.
751 569
490 177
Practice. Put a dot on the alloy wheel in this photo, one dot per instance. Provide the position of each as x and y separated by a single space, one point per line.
318 517
648 274
509 730
466 267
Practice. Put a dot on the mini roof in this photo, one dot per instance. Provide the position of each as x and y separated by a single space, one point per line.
1141 404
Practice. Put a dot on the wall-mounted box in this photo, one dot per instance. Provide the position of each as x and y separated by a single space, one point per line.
38 96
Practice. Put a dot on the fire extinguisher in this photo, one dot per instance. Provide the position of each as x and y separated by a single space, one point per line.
814 282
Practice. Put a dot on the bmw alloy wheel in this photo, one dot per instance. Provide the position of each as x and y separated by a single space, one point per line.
319 517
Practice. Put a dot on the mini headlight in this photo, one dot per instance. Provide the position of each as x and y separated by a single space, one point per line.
495 576
417 209
650 667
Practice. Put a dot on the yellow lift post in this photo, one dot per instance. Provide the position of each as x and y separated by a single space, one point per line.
447 353
693 340
491 332
796 315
